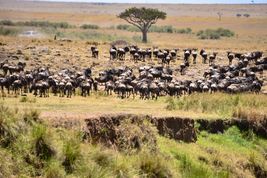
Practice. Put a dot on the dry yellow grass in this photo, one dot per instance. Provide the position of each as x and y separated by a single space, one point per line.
78 107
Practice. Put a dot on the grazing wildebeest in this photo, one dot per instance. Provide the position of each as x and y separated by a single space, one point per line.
212 58
85 87
182 68
204 56
230 56
94 51
113 53
187 54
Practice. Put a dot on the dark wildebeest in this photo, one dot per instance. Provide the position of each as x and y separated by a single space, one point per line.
204 56
94 51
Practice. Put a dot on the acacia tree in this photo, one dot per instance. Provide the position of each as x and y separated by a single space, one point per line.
142 18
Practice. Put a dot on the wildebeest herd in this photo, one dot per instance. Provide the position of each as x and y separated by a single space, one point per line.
149 82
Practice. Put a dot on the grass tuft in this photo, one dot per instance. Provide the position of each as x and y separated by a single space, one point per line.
72 154
154 165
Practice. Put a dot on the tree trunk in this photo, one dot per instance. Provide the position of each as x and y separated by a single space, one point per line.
144 32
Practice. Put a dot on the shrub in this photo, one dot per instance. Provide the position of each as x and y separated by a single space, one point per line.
44 24
214 34
225 32
8 31
155 28
7 22
208 34
123 27
184 31
162 29
89 26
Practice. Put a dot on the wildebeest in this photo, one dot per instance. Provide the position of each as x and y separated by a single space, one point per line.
94 51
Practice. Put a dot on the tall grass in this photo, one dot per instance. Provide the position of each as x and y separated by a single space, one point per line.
72 154
223 105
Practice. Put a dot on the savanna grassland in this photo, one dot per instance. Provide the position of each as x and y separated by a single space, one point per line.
35 135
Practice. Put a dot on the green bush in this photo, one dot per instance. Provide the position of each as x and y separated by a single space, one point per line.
89 26
162 29
184 31
8 31
7 22
214 34
123 27
155 28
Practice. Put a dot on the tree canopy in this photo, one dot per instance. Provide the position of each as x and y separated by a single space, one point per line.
142 18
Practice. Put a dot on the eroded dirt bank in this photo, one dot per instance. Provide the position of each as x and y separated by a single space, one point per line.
259 127
108 128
